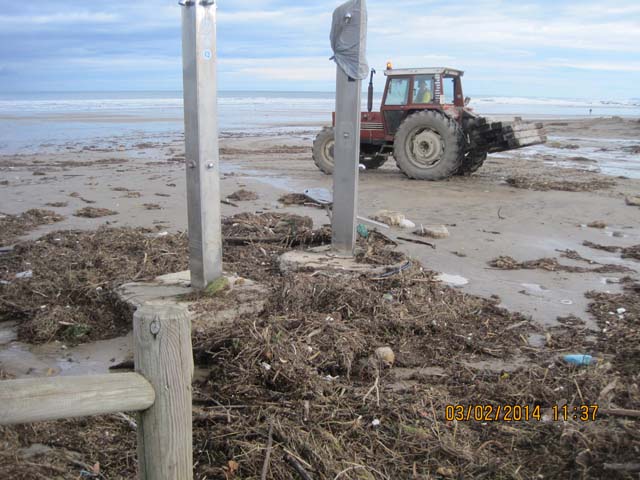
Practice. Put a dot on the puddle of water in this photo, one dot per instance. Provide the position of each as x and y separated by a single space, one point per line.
454 280
607 155
23 360
279 182
536 340
8 332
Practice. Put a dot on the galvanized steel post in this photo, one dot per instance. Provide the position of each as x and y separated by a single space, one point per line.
347 153
201 140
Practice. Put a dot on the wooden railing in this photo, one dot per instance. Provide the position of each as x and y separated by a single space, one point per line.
160 391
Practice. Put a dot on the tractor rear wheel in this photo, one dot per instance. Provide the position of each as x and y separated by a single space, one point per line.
471 163
429 146
323 147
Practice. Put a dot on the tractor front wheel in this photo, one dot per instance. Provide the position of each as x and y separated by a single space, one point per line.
429 146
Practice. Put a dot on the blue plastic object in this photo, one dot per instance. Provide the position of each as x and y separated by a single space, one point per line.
363 231
580 360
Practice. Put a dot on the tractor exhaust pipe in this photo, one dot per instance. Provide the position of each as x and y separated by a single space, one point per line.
370 97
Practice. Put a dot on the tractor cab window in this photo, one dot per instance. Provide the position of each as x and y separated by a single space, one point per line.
398 93
423 89
449 89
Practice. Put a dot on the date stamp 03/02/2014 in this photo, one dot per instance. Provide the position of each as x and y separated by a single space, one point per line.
519 413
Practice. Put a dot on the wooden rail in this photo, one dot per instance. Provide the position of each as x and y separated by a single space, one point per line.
160 390
43 399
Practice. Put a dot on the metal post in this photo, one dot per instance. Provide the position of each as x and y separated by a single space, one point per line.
201 140
347 161
347 133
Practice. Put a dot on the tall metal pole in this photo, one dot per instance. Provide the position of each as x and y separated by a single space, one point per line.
351 20
199 58
347 161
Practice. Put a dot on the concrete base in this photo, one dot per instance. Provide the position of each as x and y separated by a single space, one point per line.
244 297
324 259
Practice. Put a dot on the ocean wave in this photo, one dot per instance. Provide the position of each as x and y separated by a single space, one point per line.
291 101
142 104
555 102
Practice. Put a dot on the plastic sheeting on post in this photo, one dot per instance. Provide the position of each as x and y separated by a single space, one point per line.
349 40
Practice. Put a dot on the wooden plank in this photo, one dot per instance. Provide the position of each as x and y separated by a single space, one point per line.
526 126
527 142
163 354
43 399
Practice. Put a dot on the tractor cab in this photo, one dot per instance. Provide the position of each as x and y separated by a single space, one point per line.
418 89
423 87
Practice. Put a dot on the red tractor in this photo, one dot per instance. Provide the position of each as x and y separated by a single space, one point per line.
426 125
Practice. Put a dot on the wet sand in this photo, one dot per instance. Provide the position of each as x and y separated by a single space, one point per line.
486 216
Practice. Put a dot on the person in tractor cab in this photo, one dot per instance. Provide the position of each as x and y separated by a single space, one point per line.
423 93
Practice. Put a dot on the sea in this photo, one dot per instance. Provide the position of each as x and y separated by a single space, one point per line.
37 122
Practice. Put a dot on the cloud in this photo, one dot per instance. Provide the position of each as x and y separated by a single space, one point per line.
26 21
597 66
280 44
289 69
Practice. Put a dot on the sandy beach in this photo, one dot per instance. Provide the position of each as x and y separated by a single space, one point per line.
486 216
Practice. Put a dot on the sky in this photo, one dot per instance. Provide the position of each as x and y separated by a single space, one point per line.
540 48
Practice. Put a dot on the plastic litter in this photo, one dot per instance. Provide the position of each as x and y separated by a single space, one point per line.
394 271
579 360
322 196
392 219
404 223
27 274
454 280
266 366
348 42
362 230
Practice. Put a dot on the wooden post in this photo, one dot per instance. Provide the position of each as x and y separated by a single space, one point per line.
42 399
163 355
199 58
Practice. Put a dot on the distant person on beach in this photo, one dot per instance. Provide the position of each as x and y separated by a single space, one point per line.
590 110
